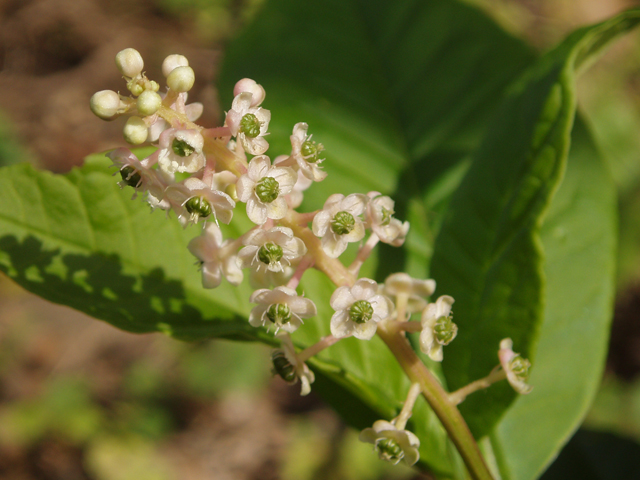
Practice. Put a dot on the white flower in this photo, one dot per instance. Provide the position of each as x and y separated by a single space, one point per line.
270 249
250 86
193 199
136 173
380 210
437 328
249 124
358 310
287 365
281 307
181 151
392 444
306 153
263 188
265 278
516 367
296 196
216 260
338 223
415 290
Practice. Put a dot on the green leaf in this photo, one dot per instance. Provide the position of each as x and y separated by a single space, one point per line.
579 268
507 280
80 241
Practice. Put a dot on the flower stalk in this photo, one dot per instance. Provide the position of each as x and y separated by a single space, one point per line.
438 399
461 394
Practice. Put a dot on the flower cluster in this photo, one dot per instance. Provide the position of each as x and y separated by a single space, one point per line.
201 174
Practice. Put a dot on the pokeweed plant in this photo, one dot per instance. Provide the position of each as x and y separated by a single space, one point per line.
420 111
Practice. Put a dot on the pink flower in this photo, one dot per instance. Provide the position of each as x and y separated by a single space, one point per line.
392 444
358 310
516 367
249 124
263 188
215 258
281 307
339 222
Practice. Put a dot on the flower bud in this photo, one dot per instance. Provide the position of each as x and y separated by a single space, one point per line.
181 79
129 62
232 191
135 86
172 62
135 131
105 104
148 103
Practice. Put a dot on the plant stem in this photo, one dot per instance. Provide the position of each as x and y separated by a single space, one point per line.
331 267
305 263
407 408
363 254
459 395
316 348
437 398
411 327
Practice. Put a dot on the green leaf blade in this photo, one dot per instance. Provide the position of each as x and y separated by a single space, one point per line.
489 255
82 242
574 334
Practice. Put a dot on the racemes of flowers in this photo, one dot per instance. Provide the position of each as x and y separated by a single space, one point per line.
202 174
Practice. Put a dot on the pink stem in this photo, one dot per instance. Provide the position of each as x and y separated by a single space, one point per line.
411 327
363 254
316 348
217 132
303 266
305 218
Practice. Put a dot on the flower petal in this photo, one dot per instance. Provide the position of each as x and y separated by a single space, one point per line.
245 188
256 211
286 178
364 289
333 245
321 223
259 167
354 204
341 299
211 275
365 331
256 317
341 326
276 209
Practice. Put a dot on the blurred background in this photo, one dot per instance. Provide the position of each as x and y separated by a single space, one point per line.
82 400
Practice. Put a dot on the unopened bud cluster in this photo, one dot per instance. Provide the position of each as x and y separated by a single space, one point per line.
221 167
